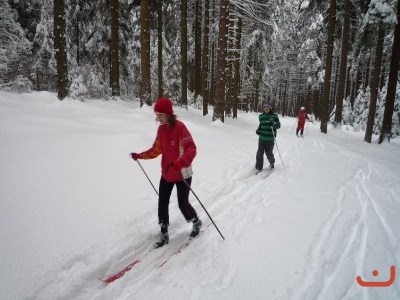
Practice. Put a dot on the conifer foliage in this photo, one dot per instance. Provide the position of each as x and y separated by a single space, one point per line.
228 54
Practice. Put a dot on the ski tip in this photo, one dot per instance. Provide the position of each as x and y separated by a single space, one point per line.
120 274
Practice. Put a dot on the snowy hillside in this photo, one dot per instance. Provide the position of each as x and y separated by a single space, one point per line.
74 208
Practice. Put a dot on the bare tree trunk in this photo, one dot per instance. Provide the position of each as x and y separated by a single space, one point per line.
159 48
184 63
221 61
77 37
343 63
114 7
375 84
348 83
392 82
229 69
236 66
205 58
60 49
367 70
197 51
145 87
328 67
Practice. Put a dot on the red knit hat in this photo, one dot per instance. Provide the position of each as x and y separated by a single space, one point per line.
163 105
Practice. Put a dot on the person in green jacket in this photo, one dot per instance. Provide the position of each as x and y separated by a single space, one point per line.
269 123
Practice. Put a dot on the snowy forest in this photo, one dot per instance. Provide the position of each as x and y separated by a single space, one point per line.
338 58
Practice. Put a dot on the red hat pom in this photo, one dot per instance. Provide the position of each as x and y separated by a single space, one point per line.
163 105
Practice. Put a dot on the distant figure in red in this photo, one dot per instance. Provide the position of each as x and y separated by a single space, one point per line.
301 120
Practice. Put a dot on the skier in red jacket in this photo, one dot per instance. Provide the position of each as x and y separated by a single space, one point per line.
301 120
174 142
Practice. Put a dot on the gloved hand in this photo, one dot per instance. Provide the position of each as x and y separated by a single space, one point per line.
135 156
258 131
271 123
176 166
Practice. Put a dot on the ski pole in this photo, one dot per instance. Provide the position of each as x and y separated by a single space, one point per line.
308 123
293 127
188 185
147 177
276 143
202 206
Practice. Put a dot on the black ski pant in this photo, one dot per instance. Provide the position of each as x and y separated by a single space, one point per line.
264 147
165 191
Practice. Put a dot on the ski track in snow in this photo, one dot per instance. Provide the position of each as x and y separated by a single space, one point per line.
241 191
332 265
353 227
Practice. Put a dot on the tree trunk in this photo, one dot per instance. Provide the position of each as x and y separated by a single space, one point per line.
328 67
145 87
205 58
229 70
236 66
392 82
375 84
343 63
197 51
221 61
114 7
160 48
348 83
60 49
367 70
77 38
184 63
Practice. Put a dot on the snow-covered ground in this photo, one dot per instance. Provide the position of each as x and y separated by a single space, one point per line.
74 208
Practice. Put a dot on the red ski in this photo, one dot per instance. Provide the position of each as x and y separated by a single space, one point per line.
131 265
120 273
176 252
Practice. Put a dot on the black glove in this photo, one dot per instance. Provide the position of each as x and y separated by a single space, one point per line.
271 123
135 156
258 131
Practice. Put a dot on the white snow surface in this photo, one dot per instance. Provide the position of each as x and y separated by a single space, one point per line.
75 208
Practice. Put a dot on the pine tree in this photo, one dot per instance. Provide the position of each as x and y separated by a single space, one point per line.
14 47
219 112
392 83
60 47
328 67
379 15
114 8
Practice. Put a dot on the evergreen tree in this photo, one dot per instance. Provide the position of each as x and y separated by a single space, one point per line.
44 64
114 7
14 49
328 67
60 48
379 15
219 113
393 93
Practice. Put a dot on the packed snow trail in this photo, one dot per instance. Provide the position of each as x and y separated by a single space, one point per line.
75 208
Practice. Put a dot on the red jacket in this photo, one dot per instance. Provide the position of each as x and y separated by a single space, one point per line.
302 115
173 143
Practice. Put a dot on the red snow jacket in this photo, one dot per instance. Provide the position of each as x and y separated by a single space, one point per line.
173 142
302 115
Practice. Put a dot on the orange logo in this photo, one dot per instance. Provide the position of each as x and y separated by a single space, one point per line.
378 283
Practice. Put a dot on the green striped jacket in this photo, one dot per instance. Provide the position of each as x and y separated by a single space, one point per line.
266 130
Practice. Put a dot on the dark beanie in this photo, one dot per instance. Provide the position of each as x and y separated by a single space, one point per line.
269 104
163 105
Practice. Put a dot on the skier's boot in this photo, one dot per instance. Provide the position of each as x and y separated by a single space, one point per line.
196 228
164 239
